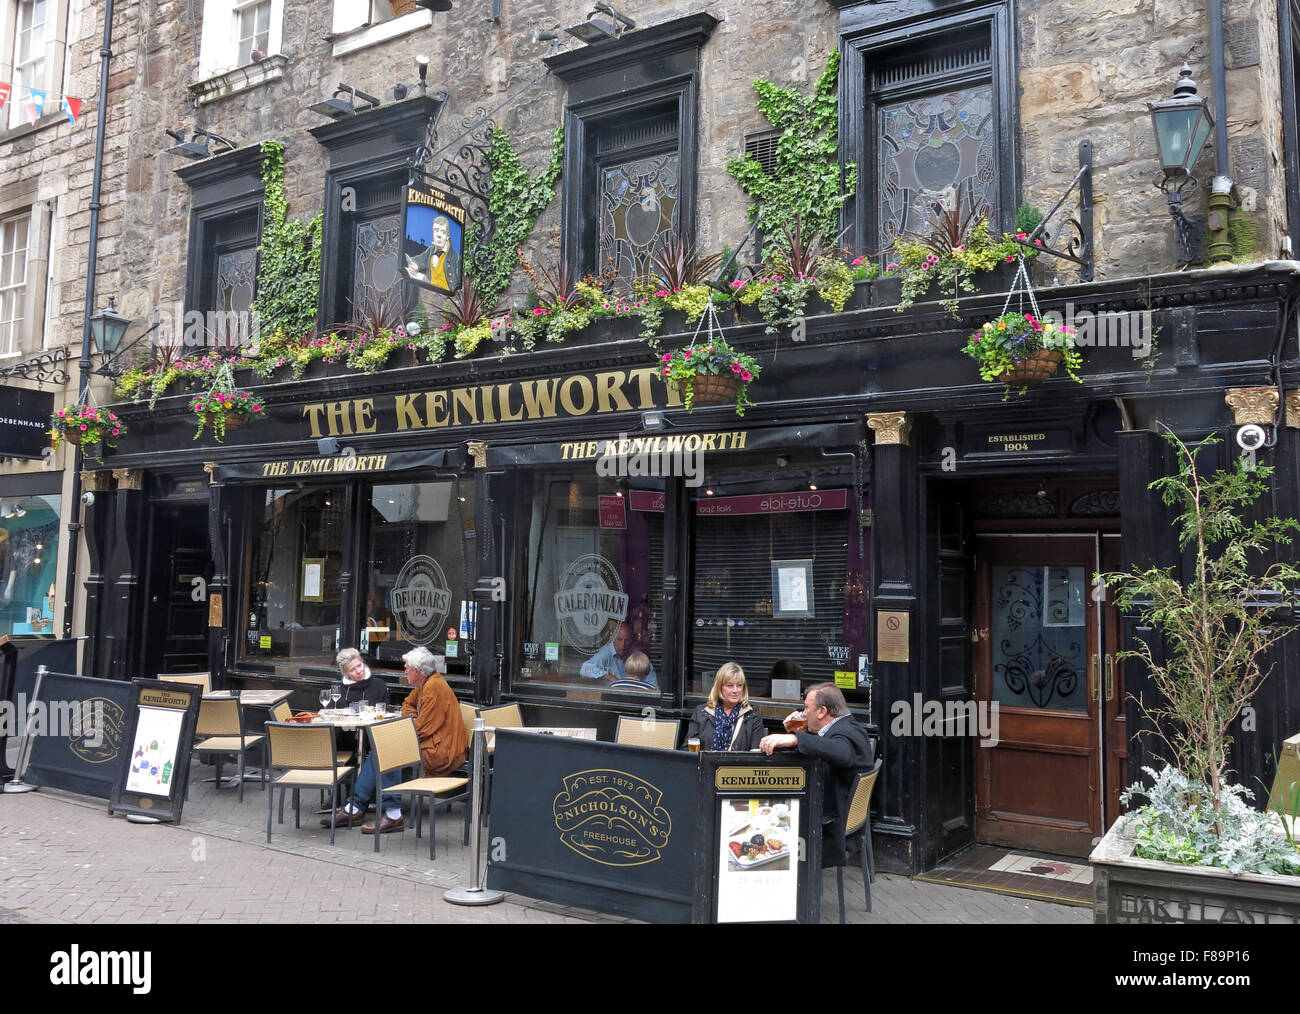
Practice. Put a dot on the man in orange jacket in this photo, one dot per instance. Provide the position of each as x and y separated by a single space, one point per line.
444 744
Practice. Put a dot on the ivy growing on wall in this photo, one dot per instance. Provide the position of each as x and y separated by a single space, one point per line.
288 274
805 183
516 201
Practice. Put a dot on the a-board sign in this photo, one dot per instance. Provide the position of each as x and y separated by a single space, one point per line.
75 726
154 764
601 825
759 855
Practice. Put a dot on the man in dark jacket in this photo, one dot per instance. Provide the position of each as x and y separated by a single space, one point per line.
833 736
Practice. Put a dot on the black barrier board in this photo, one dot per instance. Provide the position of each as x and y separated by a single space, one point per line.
78 727
760 838
599 825
153 767
57 654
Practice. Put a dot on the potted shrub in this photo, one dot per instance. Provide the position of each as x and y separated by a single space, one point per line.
711 373
1020 349
91 427
1196 851
222 410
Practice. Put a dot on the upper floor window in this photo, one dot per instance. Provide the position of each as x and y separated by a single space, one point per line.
13 281
237 33
374 286
640 176
32 28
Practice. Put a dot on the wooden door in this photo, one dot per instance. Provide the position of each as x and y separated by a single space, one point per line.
1114 729
176 627
1036 659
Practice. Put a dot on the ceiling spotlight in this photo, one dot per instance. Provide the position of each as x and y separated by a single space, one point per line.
337 108
812 485
597 29
653 420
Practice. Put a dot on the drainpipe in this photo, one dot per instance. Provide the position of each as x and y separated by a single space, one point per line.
97 177
1218 247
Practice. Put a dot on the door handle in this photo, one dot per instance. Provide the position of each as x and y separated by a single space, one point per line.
1094 674
1110 677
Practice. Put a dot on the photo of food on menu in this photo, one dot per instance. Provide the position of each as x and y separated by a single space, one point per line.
761 833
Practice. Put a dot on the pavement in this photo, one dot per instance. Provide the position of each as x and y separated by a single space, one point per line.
64 859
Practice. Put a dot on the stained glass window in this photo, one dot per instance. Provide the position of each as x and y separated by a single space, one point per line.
1039 637
638 208
236 279
376 280
928 147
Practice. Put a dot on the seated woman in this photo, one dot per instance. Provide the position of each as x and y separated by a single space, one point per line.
726 721
359 684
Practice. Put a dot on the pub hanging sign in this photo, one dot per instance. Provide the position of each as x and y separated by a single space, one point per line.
433 239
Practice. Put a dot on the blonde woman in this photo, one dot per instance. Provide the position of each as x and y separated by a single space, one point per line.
726 721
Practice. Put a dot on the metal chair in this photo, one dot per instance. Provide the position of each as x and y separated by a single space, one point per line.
197 679
652 732
222 722
397 745
858 822
307 753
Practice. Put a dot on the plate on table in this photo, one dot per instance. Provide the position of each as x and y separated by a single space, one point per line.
752 855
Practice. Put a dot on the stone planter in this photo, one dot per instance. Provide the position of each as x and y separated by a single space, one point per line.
1132 890
861 298
885 291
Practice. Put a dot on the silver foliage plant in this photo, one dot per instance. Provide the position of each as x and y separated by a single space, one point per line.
1178 825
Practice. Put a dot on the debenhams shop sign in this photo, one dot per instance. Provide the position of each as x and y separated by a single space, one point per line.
517 401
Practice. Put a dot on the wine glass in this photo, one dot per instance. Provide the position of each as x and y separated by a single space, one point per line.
336 691
324 696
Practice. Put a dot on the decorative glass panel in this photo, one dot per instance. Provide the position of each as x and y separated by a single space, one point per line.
1040 637
376 279
638 208
236 279
930 146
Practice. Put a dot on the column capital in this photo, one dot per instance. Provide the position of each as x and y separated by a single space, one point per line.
96 482
129 478
478 451
1252 405
1293 409
890 427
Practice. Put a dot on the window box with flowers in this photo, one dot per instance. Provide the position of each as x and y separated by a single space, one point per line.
88 426
1020 349
711 373
222 411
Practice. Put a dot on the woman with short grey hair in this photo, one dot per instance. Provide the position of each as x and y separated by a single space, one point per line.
359 684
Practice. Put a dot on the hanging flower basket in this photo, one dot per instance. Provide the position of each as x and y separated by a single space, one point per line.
72 436
1036 367
711 390
86 425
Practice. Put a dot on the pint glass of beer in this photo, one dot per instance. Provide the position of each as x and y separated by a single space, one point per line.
796 722
693 745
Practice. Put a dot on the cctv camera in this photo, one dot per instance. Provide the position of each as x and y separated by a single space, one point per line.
88 498
1251 437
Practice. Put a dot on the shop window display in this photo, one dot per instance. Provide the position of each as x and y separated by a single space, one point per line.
29 554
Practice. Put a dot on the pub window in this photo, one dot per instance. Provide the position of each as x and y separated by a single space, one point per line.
639 168
592 586
14 244
416 590
778 587
936 135
229 275
296 555
29 556
370 280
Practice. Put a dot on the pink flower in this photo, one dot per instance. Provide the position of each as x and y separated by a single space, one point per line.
112 416
857 262
661 294
83 426
666 357
63 413
891 266
735 367
1010 258
746 375
1038 242
116 432
739 283
257 408
665 371
1021 235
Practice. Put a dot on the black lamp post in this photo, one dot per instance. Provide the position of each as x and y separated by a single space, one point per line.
1182 125
107 328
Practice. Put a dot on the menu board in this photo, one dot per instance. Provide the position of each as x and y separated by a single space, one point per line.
153 754
758 877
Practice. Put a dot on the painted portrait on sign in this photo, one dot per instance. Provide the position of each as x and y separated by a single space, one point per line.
432 247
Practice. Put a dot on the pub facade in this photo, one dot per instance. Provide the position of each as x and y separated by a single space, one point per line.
880 518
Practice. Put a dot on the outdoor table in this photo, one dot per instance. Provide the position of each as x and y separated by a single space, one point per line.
355 721
262 700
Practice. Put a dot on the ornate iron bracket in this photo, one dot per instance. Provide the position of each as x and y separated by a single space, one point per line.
45 366
1079 248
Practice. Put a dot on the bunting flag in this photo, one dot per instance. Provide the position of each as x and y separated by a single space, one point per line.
35 105
35 101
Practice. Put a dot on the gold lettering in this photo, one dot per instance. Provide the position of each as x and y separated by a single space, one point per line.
539 398
313 414
467 398
692 442
435 405
503 403
591 449
674 394
609 386
738 440
584 388
709 439
408 417
365 420
339 418
642 379
565 451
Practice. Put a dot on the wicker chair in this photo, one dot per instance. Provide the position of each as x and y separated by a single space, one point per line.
507 716
661 735
308 754
397 745
198 679
858 822
222 723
